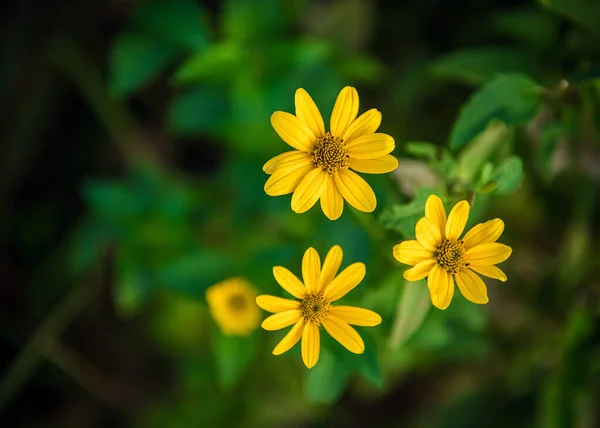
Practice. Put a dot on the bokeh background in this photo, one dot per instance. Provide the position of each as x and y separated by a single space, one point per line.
133 138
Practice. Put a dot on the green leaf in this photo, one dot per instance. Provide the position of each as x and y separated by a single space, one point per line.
201 111
115 200
585 12
413 307
477 154
359 68
365 364
403 218
477 65
369 368
131 286
302 54
176 21
88 244
422 150
383 299
233 354
512 98
326 381
136 59
509 175
193 273
253 20
488 188
484 178
449 166
219 61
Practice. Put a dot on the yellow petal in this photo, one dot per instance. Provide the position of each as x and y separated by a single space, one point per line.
344 334
435 212
488 254
289 282
344 111
441 287
484 233
356 316
281 320
285 181
307 111
419 271
457 219
489 271
309 190
276 304
381 165
472 287
331 265
428 234
355 190
311 345
311 270
293 131
366 123
345 281
290 339
370 146
332 201
411 252
286 159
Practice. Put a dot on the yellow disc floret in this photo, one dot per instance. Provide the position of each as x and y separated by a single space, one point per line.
314 308
330 154
450 255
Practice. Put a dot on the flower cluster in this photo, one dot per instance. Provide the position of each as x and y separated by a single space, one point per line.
323 167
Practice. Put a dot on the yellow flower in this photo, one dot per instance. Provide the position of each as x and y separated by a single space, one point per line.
314 307
231 303
319 167
440 255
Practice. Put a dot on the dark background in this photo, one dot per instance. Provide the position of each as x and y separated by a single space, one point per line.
127 187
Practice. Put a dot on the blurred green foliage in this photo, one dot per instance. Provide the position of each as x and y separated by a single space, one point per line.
501 108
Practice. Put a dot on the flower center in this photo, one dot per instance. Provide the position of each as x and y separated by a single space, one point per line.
237 302
314 308
330 154
450 255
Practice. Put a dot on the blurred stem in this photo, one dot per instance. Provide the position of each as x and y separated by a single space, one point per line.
577 241
472 195
87 375
24 365
112 112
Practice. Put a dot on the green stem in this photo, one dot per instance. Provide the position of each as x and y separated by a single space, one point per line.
472 195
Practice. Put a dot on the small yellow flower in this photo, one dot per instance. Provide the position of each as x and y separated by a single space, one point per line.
231 303
440 255
314 306
319 167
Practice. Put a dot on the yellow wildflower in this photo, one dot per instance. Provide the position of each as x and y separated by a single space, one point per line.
440 255
314 307
231 303
319 167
